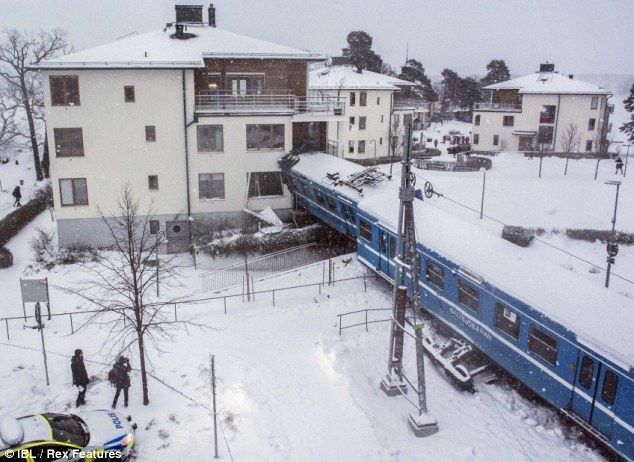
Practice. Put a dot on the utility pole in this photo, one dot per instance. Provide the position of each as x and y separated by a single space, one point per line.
407 259
212 378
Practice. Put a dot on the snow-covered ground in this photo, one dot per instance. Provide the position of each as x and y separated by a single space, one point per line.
12 175
289 387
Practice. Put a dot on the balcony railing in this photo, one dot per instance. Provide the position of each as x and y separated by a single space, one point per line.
410 103
512 107
273 102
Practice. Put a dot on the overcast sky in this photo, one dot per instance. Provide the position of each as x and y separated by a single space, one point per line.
579 36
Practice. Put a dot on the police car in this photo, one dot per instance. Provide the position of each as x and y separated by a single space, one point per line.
88 436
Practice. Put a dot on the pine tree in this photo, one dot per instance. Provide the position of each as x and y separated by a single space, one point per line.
628 127
360 51
413 71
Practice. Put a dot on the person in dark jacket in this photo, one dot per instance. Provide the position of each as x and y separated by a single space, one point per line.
17 194
619 165
80 376
121 379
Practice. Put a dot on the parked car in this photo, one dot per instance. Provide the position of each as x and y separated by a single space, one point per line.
84 436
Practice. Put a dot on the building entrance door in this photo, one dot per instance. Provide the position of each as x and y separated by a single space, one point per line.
177 236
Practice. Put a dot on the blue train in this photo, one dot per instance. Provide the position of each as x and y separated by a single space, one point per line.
567 341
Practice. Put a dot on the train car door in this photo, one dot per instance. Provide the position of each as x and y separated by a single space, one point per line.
384 252
595 393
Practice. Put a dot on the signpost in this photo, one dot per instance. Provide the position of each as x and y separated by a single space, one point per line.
36 291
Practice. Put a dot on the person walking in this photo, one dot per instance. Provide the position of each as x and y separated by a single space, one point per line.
80 376
17 194
436 143
619 165
119 377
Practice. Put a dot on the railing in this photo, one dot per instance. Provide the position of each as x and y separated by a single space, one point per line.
265 265
415 104
513 107
286 102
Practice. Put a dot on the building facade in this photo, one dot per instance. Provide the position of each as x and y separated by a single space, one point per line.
543 111
193 118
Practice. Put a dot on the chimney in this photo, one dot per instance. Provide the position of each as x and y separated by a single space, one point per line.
571 76
547 67
179 31
212 15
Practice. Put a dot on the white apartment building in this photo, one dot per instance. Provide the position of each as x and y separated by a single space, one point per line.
193 118
536 111
375 115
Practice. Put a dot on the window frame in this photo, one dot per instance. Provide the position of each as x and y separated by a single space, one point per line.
476 138
508 121
153 182
211 181
272 137
610 386
589 144
67 134
585 380
538 344
255 177
435 274
150 133
476 120
464 300
64 99
592 124
365 229
351 147
361 147
362 123
211 137
73 192
496 140
594 102
548 115
155 226
511 328
353 98
545 134
363 98
129 94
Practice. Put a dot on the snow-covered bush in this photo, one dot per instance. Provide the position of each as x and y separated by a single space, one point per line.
6 258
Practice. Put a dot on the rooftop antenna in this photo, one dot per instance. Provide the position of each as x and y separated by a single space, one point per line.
406 53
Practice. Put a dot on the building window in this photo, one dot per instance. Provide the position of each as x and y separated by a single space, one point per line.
211 185
351 123
588 145
363 98
265 137
543 345
591 124
610 385
508 121
265 184
496 140
213 84
594 103
381 140
362 121
381 117
361 149
507 321
365 230
246 84
468 296
378 100
476 120
351 147
586 373
154 226
545 134
64 90
128 94
547 115
69 142
73 191
353 98
152 181
435 275
150 133
476 138
209 138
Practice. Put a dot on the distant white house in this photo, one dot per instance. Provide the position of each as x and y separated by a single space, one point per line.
375 114
537 111
193 118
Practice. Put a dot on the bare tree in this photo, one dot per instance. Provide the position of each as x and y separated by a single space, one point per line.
18 51
396 136
124 285
570 140
8 129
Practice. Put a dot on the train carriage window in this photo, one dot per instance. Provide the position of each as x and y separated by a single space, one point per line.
610 384
393 247
586 373
543 345
435 275
365 230
468 296
332 204
507 321
344 211
319 196
383 242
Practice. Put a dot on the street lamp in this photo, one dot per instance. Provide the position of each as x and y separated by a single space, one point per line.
374 141
627 156
612 247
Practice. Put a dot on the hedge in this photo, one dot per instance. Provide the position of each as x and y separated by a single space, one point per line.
11 224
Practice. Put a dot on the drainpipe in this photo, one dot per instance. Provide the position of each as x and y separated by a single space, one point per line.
390 151
185 126
556 121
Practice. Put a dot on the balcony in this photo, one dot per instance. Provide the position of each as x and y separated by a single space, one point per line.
416 105
307 108
499 107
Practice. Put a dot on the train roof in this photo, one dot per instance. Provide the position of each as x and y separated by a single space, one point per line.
601 319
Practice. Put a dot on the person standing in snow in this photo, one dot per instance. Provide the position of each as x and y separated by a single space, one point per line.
80 376
119 377
17 195
436 143
619 165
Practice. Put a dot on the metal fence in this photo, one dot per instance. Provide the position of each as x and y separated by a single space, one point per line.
259 267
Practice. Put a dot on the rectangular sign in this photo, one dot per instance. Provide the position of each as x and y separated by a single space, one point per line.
34 290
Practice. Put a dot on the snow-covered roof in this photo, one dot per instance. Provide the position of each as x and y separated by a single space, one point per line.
347 78
158 50
549 82
601 319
